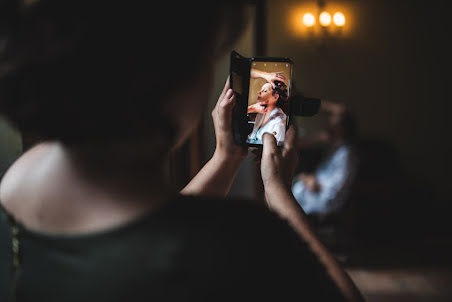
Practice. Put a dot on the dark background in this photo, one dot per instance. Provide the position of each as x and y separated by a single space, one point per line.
390 65
391 68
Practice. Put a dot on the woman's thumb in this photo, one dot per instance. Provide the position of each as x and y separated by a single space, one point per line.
226 106
270 146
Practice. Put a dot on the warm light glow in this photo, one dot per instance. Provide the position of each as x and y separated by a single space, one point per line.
304 22
325 19
308 19
339 19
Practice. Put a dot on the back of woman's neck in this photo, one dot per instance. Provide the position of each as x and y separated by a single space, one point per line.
48 190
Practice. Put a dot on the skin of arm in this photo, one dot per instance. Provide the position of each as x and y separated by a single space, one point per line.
268 76
256 108
258 74
216 177
277 171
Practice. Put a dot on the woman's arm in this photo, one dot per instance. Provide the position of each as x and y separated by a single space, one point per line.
268 76
216 177
276 170
256 108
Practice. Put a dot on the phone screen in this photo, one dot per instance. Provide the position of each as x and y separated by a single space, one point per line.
268 100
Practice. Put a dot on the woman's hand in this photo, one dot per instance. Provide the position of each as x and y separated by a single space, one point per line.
271 77
310 182
216 177
226 148
257 108
277 169
278 166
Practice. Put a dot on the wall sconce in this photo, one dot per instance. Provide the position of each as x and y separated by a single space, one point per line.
339 19
308 19
321 22
324 19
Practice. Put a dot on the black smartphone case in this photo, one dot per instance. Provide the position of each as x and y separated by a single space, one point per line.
239 80
240 68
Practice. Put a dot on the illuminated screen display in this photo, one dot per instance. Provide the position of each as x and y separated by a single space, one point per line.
268 98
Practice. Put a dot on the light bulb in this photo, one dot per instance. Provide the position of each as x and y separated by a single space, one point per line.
325 19
339 19
308 19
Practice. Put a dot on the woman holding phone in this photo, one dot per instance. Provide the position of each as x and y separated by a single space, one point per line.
88 214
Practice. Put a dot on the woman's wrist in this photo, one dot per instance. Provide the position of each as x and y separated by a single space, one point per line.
278 183
266 76
273 185
225 157
277 189
281 200
258 74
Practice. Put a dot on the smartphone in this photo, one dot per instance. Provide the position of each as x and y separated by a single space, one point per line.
263 88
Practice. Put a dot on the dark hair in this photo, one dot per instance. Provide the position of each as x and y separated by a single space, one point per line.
281 90
346 122
80 71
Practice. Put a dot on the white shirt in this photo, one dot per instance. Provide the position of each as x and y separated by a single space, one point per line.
276 125
335 175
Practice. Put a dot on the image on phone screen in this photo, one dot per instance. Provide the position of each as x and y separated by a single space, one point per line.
268 100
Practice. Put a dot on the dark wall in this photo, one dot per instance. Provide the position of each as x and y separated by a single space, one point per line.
10 145
392 69
243 185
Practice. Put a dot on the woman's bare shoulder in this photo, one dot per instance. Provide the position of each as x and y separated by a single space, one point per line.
45 192
13 186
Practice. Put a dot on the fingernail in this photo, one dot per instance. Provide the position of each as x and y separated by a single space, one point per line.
229 93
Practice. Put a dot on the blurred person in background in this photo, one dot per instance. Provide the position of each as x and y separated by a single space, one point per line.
326 189
88 214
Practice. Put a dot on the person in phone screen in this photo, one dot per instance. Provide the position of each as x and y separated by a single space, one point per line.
270 117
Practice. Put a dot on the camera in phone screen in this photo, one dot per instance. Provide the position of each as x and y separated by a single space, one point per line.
268 99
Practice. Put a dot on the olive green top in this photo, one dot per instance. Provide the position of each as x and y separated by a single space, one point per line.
191 249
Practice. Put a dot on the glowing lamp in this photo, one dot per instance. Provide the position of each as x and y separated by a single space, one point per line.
308 19
325 19
339 19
